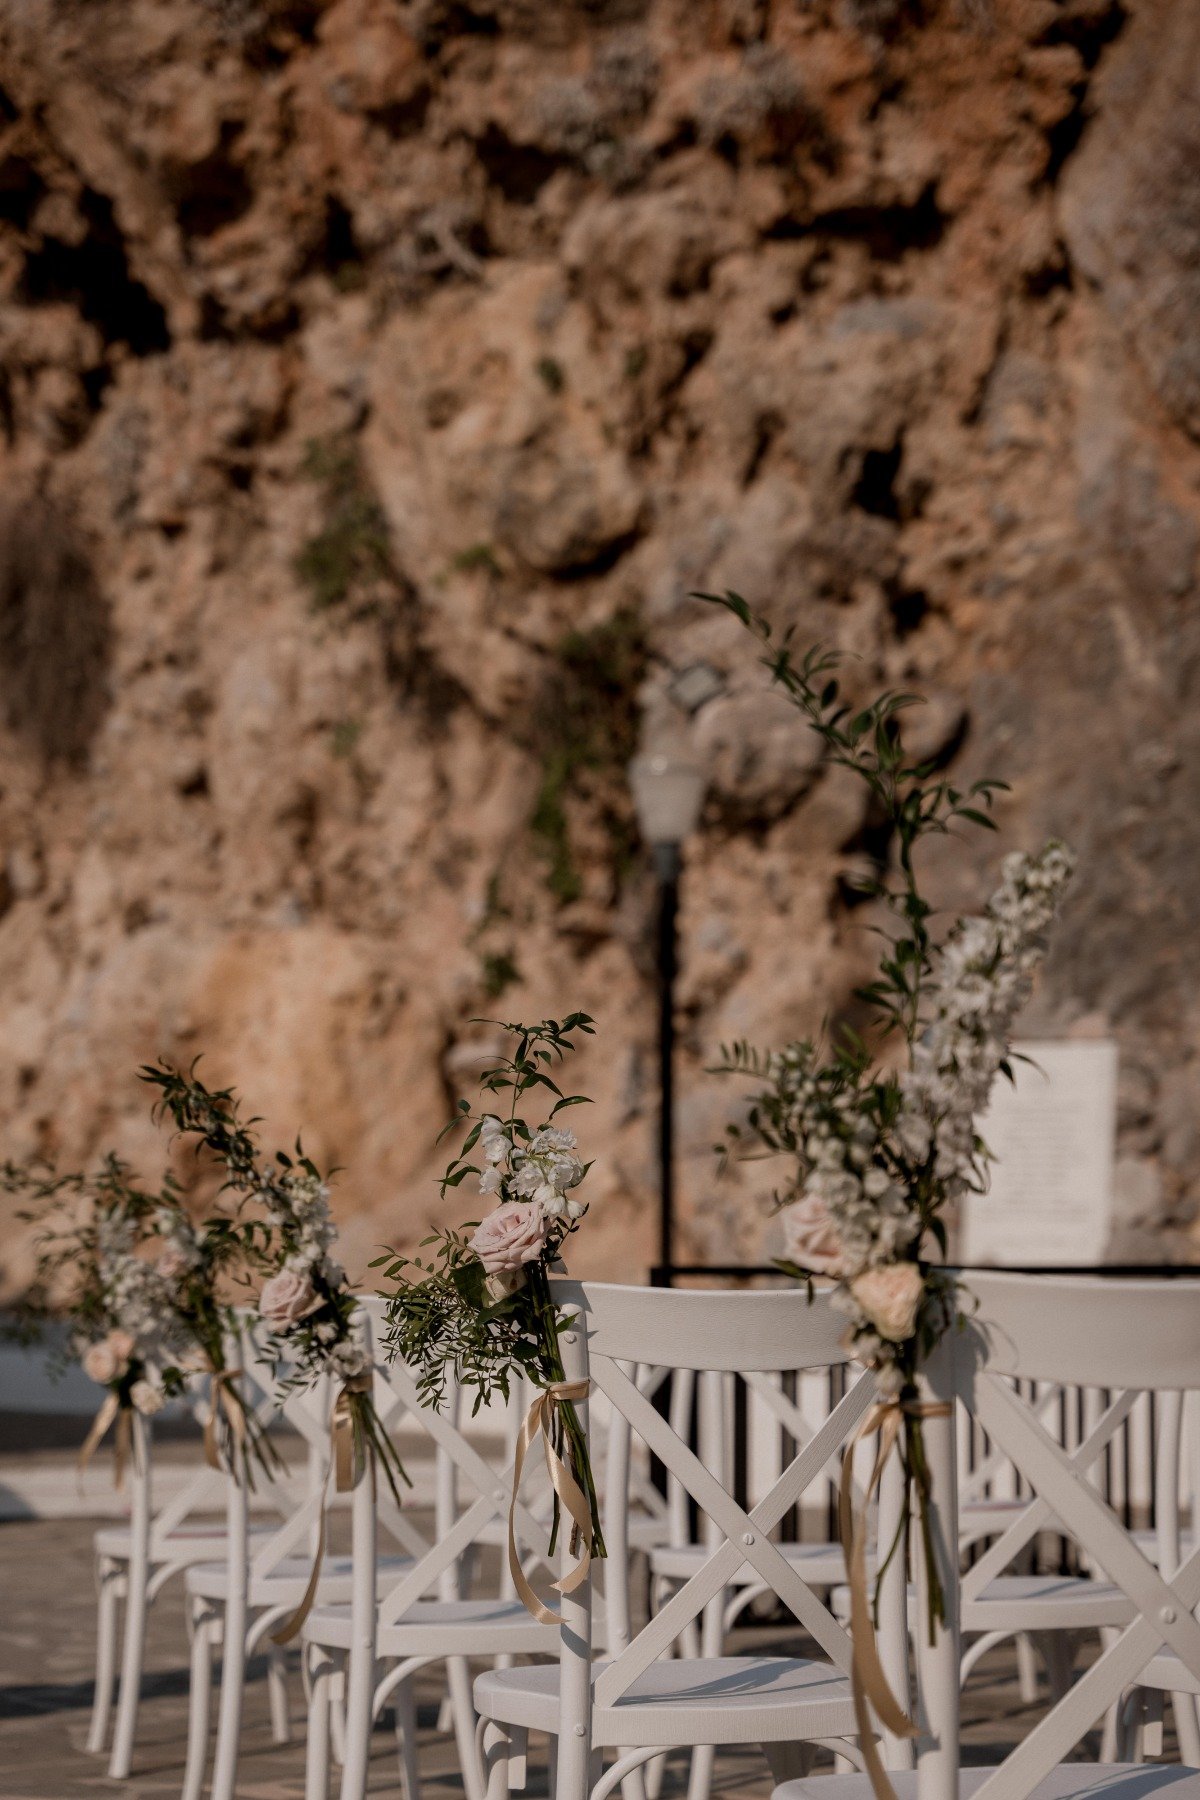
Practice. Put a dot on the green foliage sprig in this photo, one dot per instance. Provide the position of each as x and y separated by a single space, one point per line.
283 1204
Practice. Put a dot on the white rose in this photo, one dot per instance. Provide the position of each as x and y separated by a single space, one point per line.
348 1360
510 1237
286 1298
147 1398
891 1298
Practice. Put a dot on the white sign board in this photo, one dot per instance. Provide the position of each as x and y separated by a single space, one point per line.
1053 1138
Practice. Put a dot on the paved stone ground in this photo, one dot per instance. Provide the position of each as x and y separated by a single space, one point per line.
46 1648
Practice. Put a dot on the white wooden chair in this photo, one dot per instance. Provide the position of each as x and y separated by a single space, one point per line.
1169 1548
384 1633
1128 1336
639 1700
135 1561
237 1601
778 1424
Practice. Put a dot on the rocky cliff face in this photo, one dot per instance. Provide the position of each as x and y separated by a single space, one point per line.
378 380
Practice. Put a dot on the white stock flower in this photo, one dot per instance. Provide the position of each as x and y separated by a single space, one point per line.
147 1398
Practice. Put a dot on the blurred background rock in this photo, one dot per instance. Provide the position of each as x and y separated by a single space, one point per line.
377 380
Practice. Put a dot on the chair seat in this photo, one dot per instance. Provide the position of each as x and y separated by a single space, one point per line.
188 1543
1033 1603
1171 1673
713 1700
1070 1781
287 1583
822 1565
443 1628
1046 1603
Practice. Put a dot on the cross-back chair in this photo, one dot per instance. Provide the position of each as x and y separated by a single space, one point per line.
640 1699
237 1601
1129 1336
382 1635
136 1560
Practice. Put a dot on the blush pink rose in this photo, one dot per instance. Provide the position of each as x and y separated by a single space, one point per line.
811 1238
510 1237
891 1298
286 1298
108 1358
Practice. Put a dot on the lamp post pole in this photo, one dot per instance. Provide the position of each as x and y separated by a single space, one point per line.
668 792
666 862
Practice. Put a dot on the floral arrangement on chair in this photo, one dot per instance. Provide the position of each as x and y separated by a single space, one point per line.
482 1305
884 1145
142 1288
306 1300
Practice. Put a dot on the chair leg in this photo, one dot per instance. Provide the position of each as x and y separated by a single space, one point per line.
107 1574
701 1773
202 1624
229 1715
337 1713
496 1746
404 1702
1027 1673
1184 1708
277 1694
655 1773
458 1682
130 1691
788 1762
320 1666
1057 1653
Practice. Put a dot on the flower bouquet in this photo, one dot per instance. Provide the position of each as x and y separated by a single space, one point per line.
881 1134
482 1305
140 1285
306 1300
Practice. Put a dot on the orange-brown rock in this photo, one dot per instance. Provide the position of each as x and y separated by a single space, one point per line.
378 379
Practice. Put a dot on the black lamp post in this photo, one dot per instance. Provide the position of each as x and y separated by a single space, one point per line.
668 792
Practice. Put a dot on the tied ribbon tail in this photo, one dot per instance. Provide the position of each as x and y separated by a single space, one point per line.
571 1497
223 1398
868 1682
110 1409
348 1461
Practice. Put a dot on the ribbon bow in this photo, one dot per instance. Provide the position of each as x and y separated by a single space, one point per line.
110 1409
571 1496
348 1461
867 1678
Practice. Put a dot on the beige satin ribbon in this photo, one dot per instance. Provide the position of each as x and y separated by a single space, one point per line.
348 1461
571 1497
223 1397
110 1409
867 1679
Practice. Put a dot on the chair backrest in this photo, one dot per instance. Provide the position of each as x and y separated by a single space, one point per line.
203 1493
1127 1336
723 1338
471 1488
